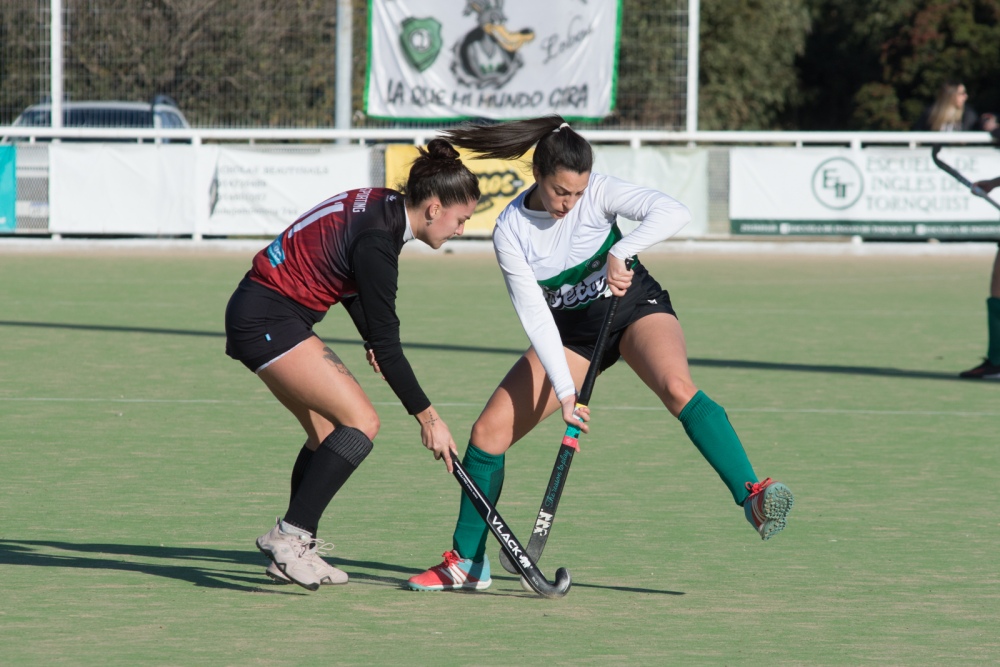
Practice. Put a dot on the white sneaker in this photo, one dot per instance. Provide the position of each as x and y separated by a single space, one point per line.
288 552
328 574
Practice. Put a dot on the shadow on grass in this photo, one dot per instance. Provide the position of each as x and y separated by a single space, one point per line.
219 334
824 368
620 589
211 568
207 568
740 364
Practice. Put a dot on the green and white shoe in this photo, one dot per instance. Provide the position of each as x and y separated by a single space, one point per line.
768 506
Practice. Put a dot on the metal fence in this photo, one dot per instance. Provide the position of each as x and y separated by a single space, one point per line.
32 146
267 64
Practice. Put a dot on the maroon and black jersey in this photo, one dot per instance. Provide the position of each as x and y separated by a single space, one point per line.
346 250
310 262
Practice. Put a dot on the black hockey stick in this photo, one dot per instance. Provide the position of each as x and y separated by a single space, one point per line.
976 190
525 566
570 445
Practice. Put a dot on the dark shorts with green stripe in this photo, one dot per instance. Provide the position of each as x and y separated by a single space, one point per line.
579 328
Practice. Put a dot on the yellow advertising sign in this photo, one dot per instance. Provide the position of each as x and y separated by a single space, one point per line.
499 182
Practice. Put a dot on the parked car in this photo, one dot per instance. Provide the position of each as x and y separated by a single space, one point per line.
32 204
162 112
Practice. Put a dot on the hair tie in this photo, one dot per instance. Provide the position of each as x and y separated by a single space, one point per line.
561 127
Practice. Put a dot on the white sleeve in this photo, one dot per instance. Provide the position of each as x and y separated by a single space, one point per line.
660 216
533 311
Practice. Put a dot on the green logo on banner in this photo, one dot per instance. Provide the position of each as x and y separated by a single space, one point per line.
8 189
421 40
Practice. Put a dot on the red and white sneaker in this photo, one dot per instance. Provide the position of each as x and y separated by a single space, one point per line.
455 573
768 506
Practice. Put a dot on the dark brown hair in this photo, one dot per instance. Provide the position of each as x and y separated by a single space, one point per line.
558 145
438 172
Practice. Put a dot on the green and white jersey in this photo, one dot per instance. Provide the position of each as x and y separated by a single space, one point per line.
551 263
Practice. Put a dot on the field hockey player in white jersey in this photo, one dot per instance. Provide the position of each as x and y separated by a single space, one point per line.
562 256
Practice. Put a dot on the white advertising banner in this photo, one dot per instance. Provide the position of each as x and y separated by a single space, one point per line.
871 192
258 192
208 190
681 173
121 189
494 59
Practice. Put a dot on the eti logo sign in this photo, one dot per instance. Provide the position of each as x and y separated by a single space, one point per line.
837 183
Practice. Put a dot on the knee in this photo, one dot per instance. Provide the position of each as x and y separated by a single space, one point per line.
350 444
492 438
677 393
372 428
368 423
480 435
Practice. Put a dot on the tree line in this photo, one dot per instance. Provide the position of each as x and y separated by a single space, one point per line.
836 65
764 64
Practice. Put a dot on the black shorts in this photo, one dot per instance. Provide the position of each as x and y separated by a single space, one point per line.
579 328
262 325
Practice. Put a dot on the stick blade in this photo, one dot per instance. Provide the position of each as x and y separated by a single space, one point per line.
507 563
551 591
561 587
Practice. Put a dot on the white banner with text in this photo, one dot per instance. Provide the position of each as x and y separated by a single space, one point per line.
207 190
257 192
494 59
870 192
104 188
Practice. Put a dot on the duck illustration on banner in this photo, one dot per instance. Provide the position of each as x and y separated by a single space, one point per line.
488 54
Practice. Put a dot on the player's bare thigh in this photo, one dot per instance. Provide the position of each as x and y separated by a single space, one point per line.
316 426
654 348
523 399
311 378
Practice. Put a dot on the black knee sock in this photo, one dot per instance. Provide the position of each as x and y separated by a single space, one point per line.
335 460
299 469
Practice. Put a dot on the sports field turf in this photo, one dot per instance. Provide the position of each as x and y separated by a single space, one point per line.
138 464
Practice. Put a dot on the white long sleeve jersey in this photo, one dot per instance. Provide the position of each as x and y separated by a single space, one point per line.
551 263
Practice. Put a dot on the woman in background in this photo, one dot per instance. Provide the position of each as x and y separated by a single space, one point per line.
952 113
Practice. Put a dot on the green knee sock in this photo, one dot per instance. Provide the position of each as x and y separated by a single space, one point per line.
993 322
470 531
708 427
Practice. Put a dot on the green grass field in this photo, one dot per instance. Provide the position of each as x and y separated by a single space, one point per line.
138 464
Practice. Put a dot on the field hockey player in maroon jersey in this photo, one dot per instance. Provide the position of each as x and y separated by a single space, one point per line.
344 250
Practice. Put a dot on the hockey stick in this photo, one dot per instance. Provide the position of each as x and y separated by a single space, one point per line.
976 190
525 566
570 445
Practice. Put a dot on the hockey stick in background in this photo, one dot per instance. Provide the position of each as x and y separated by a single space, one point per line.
976 190
525 565
570 445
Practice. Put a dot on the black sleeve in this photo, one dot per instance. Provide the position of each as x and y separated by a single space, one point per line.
352 304
376 272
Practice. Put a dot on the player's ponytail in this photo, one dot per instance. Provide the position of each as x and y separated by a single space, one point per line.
438 172
556 144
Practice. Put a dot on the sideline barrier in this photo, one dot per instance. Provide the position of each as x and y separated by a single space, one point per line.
214 182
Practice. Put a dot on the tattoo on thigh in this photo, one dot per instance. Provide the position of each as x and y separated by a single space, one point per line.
332 357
